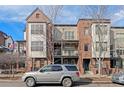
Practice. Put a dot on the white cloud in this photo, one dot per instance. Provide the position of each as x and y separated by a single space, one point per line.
18 13
117 16
68 16
15 13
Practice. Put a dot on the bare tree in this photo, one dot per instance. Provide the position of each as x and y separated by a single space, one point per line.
53 12
8 61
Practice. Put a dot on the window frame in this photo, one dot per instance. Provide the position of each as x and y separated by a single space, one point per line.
37 29
37 15
57 70
43 69
69 35
67 67
99 28
86 32
104 48
37 47
86 47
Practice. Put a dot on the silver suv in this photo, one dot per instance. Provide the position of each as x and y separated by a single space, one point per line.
65 74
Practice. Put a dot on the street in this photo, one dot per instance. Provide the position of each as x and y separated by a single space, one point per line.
21 84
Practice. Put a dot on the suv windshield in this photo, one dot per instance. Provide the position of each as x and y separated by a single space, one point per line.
71 68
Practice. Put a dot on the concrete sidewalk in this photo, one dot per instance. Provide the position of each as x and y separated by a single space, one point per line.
94 81
90 75
88 78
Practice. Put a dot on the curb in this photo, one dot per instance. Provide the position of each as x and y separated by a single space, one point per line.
96 82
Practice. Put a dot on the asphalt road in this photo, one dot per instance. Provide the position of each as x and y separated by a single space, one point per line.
21 84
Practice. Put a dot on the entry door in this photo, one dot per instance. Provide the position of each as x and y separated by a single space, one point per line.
86 63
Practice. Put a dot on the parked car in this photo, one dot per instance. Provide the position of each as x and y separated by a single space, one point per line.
65 74
118 78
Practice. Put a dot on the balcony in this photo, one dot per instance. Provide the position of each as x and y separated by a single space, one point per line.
57 52
69 53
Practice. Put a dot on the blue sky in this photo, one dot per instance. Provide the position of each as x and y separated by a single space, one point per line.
12 18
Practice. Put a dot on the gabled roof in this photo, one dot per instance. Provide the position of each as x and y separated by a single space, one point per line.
42 18
4 34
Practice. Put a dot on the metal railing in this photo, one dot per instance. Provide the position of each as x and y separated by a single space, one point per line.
70 53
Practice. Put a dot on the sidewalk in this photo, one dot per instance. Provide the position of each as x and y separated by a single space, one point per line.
88 78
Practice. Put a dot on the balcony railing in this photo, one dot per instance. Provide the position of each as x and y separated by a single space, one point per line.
70 53
57 52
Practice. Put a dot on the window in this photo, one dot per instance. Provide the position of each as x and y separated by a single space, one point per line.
69 35
101 45
37 46
119 41
111 47
120 52
56 68
9 45
73 61
86 47
65 61
123 52
117 52
37 15
101 29
46 69
37 29
51 68
71 68
86 32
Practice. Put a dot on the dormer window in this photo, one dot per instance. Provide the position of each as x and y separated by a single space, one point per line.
37 15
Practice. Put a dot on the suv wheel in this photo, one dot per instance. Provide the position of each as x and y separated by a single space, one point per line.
30 82
67 82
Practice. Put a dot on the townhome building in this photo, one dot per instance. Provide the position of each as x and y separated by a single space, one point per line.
38 37
117 47
79 44
65 44
89 44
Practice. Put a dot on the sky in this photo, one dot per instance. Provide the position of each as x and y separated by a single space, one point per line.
13 17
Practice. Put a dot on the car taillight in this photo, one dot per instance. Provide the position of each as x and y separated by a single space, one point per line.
77 73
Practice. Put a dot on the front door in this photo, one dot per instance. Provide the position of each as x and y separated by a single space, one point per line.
86 63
